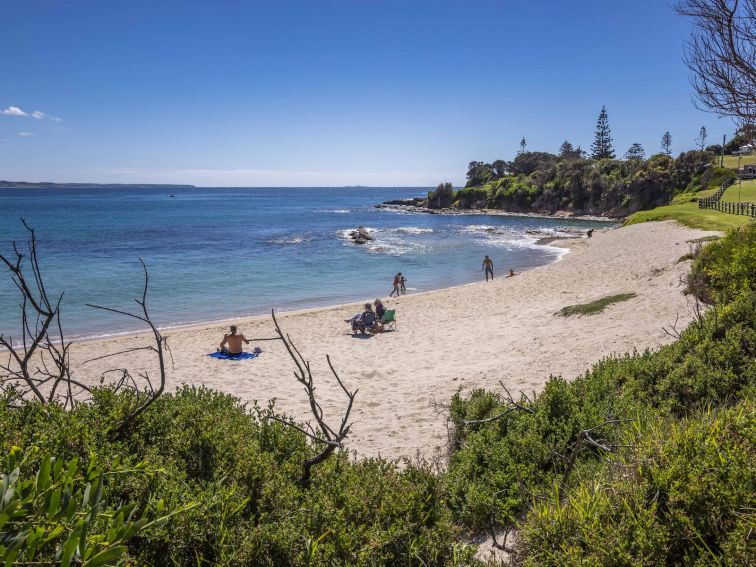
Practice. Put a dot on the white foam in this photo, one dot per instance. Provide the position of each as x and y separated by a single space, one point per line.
291 239
413 230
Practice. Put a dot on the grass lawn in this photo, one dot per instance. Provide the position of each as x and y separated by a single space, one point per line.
732 161
690 215
747 191
685 210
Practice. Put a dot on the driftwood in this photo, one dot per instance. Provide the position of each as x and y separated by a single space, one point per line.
326 436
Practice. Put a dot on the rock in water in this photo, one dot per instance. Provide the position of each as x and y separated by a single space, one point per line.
361 236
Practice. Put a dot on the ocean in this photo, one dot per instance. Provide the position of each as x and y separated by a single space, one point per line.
224 253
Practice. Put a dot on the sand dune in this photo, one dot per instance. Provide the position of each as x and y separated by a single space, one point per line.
455 339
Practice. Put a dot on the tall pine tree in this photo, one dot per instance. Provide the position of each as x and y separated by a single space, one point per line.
566 150
602 145
666 143
635 152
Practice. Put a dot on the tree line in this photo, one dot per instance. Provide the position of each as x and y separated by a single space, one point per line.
596 183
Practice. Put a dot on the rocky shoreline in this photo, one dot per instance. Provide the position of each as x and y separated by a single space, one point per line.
419 205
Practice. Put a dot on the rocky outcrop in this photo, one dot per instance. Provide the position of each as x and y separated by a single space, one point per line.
361 236
413 202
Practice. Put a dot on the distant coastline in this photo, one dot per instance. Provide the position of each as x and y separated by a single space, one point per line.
49 185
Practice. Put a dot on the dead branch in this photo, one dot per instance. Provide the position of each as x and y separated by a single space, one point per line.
160 348
513 406
325 435
671 329
494 540
721 56
39 359
585 437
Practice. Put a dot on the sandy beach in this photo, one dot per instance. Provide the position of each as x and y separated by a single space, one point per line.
460 338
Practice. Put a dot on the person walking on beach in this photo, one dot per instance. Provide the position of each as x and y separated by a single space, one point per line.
397 283
402 283
234 342
488 267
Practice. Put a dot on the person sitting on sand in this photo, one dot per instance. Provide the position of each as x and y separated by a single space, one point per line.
488 267
397 283
590 233
379 309
234 342
511 273
365 321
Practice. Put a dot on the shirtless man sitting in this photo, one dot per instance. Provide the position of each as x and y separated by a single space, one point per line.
234 342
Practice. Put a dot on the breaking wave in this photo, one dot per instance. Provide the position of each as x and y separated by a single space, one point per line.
291 239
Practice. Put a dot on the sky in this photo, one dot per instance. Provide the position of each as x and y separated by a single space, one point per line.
330 92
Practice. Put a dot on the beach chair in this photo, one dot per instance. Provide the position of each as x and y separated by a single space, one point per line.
389 319
365 324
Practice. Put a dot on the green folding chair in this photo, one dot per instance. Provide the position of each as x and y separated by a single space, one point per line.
389 318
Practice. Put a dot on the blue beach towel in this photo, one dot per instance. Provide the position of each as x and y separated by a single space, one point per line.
226 356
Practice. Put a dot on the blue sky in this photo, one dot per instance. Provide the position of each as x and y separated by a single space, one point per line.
330 92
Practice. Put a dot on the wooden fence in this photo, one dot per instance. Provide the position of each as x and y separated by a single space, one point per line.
731 207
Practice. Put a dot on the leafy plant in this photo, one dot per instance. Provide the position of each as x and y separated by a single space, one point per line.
52 512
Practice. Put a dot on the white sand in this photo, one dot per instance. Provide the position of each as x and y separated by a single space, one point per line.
460 338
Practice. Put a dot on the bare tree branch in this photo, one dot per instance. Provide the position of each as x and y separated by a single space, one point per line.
36 359
328 437
721 56
160 348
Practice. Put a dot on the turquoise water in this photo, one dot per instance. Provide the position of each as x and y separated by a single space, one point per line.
220 253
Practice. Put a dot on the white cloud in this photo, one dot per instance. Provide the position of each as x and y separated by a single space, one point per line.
55 119
13 111
38 114
26 134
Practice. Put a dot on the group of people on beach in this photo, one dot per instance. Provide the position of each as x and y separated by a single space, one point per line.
370 319
488 267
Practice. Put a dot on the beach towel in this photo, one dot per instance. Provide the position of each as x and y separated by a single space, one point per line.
226 356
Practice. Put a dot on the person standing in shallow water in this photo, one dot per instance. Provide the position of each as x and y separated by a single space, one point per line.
397 283
488 267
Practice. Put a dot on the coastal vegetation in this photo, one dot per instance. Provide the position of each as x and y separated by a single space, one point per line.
594 307
540 182
646 458
720 58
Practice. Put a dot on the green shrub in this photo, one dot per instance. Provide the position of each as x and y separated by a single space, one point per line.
509 453
726 268
53 512
499 465
472 197
241 473
680 493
